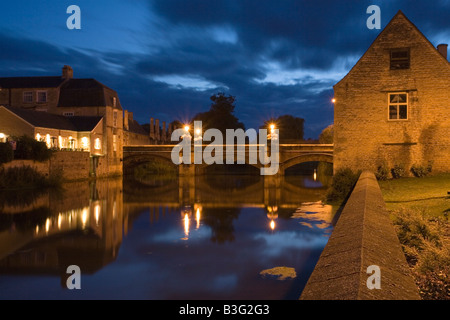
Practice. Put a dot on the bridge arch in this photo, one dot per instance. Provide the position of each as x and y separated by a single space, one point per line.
310 157
134 160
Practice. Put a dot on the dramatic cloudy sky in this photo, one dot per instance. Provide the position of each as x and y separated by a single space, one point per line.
165 58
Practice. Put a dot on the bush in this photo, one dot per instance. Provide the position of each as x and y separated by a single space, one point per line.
398 171
382 173
30 149
420 171
23 177
427 250
342 184
6 152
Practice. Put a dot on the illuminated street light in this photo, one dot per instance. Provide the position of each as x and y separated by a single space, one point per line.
333 100
186 128
272 128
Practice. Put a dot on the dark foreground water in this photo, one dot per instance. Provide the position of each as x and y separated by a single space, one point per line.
213 237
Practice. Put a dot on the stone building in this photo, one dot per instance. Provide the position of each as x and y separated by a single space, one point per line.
393 107
74 101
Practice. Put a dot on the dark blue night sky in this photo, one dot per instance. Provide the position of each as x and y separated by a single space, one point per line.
165 58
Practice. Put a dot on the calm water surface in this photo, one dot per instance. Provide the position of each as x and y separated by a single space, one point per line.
212 237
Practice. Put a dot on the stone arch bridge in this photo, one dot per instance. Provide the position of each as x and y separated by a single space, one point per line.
289 155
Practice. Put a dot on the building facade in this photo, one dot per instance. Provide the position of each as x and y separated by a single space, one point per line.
66 113
393 107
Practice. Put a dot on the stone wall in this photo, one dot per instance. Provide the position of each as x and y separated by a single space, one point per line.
364 137
73 165
364 236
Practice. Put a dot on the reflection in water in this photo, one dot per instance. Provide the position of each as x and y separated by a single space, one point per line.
200 238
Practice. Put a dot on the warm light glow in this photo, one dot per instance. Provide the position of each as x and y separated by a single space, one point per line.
84 217
315 175
2 135
198 132
60 142
97 144
186 128
48 141
97 213
272 225
59 221
272 128
186 225
333 100
84 142
197 217
38 137
47 225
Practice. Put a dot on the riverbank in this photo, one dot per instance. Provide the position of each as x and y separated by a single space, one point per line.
419 209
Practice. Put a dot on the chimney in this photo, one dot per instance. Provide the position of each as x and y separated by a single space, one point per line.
442 48
125 120
67 72
152 129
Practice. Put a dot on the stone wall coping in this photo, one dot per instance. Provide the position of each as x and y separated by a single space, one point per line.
364 236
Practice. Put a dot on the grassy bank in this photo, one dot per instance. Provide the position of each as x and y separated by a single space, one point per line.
419 208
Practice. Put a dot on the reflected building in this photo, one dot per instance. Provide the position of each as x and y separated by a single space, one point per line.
84 226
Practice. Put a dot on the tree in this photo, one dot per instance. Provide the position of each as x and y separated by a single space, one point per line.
220 116
290 127
327 135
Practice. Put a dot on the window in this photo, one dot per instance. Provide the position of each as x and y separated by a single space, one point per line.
41 96
115 118
398 106
400 59
114 102
28 96
115 143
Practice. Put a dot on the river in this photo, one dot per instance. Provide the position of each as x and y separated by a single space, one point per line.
210 237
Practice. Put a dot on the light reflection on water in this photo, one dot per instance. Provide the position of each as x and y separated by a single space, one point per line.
203 238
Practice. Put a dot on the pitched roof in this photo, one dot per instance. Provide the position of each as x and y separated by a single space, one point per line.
31 82
399 14
86 93
135 127
53 121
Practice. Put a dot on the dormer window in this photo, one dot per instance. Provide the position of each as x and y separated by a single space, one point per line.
400 59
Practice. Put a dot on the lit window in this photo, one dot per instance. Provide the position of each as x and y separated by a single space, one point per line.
38 137
2 137
48 141
114 143
41 96
398 106
28 97
97 144
72 144
60 142
85 143
400 59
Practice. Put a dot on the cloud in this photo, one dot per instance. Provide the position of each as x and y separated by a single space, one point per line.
169 57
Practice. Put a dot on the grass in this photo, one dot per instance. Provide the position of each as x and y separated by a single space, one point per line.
428 193
419 209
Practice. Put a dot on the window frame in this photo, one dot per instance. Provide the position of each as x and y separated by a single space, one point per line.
398 104
37 96
407 50
29 93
